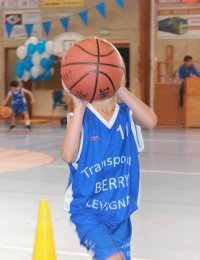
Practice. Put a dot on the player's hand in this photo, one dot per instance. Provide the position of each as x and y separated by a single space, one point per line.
78 103
123 82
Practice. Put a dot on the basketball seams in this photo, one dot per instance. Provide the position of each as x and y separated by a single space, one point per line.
97 79
93 63
95 55
97 71
85 75
105 74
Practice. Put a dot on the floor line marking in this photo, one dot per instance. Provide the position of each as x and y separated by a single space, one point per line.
171 141
170 172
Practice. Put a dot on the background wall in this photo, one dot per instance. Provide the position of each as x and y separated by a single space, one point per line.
122 25
181 47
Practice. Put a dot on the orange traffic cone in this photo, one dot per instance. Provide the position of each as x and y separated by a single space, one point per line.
44 248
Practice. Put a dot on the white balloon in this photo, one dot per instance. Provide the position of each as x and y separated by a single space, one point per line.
21 52
41 70
35 71
45 55
36 57
33 40
27 42
26 75
49 47
52 71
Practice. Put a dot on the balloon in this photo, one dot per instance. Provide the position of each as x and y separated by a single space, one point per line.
35 71
28 63
20 64
33 40
47 74
45 55
21 52
45 63
49 47
31 48
36 57
26 75
19 72
52 71
40 47
36 60
43 41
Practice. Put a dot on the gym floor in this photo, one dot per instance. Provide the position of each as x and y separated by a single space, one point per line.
166 226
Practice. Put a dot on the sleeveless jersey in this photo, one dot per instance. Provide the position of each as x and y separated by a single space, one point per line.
104 179
18 98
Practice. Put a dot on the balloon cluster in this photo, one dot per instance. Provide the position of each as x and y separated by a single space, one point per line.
36 60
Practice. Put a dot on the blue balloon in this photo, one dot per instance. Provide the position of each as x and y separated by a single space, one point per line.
28 64
44 63
19 64
43 41
19 72
40 47
47 74
31 48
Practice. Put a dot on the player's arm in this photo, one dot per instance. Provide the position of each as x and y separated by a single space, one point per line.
30 94
141 113
6 99
72 138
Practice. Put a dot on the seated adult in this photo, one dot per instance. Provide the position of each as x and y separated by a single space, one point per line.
186 70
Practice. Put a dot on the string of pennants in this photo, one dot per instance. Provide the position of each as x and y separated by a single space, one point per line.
100 7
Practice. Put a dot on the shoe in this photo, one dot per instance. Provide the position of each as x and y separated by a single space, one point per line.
28 127
11 127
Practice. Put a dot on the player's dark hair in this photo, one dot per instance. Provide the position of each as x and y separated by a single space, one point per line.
187 58
14 83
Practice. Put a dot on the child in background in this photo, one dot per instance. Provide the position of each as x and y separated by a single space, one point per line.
18 102
101 146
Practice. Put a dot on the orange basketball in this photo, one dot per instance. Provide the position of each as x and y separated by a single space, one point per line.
6 112
92 69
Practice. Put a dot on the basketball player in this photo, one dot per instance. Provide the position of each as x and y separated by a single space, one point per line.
101 146
18 101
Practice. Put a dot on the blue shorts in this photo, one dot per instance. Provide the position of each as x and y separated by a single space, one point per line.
104 241
19 107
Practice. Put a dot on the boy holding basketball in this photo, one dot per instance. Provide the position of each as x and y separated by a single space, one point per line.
101 146
18 101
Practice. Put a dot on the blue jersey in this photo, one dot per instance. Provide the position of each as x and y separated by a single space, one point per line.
105 178
18 97
186 72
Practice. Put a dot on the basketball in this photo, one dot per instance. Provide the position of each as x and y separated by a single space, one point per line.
6 112
92 69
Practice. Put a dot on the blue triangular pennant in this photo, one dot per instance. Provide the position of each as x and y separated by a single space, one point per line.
28 28
101 7
65 22
9 28
120 3
46 27
84 16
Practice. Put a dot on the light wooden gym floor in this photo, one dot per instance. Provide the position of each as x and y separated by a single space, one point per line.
166 226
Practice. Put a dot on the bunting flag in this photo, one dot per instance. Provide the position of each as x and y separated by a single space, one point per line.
65 23
120 3
101 7
46 27
28 28
84 16
9 28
